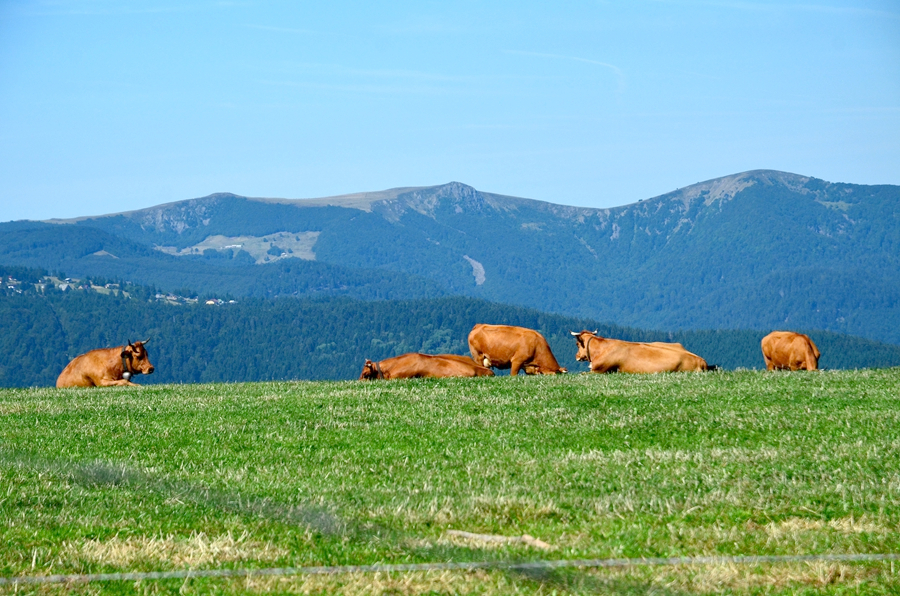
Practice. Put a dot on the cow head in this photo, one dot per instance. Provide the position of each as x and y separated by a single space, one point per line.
582 340
370 371
135 354
536 369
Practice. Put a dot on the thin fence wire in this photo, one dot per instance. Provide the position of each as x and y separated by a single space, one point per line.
448 566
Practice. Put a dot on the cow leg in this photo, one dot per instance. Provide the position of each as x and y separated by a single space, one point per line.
515 365
600 367
117 382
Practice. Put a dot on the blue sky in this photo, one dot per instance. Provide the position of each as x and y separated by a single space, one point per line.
110 106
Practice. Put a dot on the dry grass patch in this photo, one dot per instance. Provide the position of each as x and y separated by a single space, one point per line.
846 525
715 456
714 579
688 579
798 530
376 584
195 551
469 538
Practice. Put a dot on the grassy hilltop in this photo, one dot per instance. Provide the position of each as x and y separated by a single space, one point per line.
330 473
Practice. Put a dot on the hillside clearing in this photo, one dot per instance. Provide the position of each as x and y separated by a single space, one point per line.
341 473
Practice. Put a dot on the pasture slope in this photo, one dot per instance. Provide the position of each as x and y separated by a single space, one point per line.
226 476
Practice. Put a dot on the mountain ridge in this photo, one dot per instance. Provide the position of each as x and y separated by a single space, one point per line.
452 190
757 249
394 202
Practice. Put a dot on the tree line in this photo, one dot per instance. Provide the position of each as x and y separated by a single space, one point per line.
286 338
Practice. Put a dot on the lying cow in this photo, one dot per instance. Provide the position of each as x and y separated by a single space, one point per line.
788 350
515 348
107 366
415 365
615 355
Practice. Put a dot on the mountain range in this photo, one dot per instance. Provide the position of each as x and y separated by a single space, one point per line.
756 250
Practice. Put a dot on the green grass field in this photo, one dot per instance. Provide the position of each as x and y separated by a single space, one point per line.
335 473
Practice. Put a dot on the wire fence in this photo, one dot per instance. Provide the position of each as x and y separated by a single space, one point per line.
449 566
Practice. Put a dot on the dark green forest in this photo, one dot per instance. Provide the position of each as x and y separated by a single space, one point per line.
71 249
286 338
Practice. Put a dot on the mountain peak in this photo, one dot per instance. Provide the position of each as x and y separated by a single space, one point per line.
726 187
456 189
428 200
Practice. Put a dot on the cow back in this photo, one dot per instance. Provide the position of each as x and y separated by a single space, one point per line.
91 368
788 350
511 347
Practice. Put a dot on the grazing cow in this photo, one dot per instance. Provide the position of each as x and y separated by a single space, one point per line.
788 350
107 366
515 348
615 355
415 365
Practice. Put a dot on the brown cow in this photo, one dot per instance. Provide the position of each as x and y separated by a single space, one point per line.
107 366
788 350
515 348
415 365
615 355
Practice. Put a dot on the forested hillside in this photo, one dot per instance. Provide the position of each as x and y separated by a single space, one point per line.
89 252
325 338
757 250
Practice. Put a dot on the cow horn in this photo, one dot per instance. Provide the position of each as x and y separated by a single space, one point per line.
145 341
130 345
595 331
573 333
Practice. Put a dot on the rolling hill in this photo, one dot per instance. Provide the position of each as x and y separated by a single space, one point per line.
756 250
